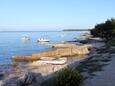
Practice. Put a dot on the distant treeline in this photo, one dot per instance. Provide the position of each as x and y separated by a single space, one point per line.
76 29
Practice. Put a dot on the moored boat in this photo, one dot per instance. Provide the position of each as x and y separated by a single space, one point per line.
42 40
25 38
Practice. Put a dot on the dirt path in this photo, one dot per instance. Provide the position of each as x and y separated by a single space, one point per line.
105 77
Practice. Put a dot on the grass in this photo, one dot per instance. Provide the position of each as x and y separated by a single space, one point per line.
65 77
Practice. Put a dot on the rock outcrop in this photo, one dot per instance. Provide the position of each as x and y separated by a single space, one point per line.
71 45
24 58
64 45
33 79
62 50
27 79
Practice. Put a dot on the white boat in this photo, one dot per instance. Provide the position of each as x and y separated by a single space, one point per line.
42 40
25 38
56 61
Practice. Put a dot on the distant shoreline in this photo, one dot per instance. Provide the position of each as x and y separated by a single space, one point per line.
30 31
52 30
76 29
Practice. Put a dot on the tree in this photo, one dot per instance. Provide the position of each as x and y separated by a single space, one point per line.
104 30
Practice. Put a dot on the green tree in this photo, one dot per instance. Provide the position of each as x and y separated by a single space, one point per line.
105 30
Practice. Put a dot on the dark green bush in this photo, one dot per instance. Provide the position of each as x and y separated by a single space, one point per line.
105 30
68 77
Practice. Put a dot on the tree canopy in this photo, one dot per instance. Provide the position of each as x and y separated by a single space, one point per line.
105 30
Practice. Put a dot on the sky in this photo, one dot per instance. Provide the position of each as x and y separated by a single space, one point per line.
40 15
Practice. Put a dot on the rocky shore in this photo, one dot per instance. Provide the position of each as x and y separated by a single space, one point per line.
34 74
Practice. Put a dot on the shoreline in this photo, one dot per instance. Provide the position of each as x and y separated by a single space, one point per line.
72 65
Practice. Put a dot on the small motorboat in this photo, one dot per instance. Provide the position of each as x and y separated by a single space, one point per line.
25 38
42 40
56 61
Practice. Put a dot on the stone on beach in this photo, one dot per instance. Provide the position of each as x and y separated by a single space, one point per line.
33 79
26 79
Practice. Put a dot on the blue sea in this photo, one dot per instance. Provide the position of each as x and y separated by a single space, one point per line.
11 43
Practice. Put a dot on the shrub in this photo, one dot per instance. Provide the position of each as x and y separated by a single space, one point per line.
105 30
68 77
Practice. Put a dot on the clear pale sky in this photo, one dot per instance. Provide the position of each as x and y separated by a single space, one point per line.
53 14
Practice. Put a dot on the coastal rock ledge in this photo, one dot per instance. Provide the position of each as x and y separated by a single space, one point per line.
27 79
61 50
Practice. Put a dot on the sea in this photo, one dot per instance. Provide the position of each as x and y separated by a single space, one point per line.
11 43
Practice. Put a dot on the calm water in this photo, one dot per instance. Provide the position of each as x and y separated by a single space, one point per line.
11 43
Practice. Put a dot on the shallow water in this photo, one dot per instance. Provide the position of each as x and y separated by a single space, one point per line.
11 43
